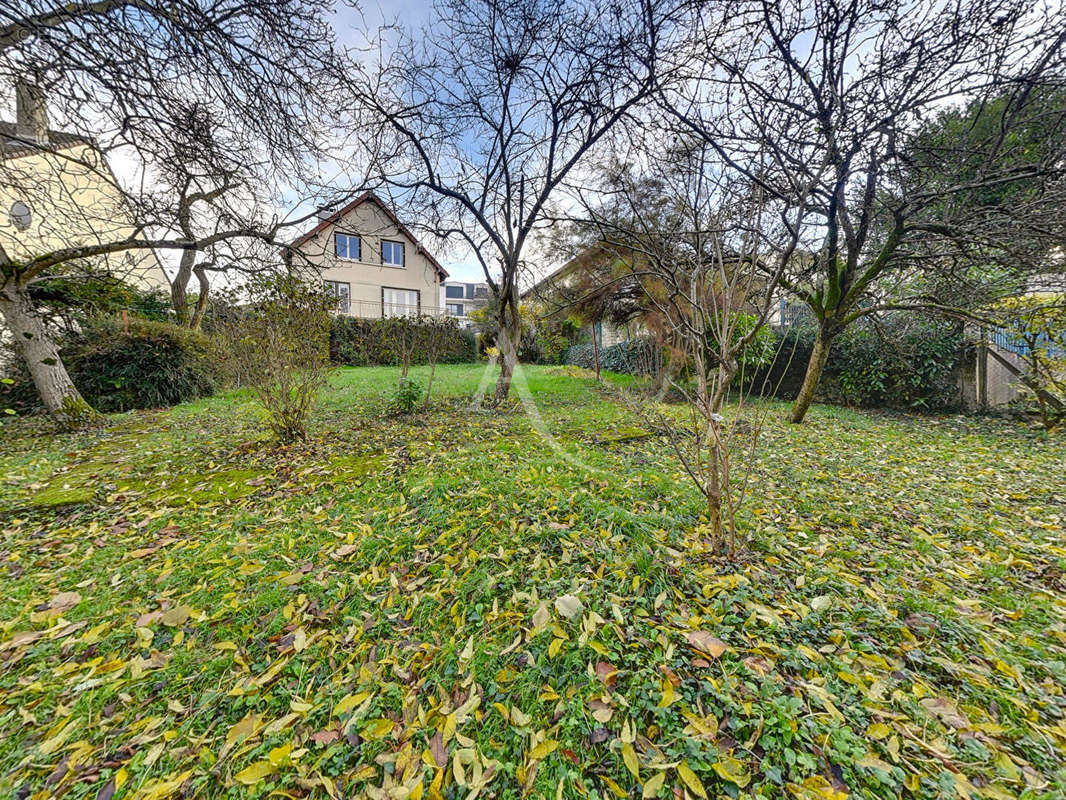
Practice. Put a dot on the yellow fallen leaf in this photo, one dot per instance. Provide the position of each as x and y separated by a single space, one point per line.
878 730
691 780
254 773
279 756
544 749
378 728
629 756
653 785
668 694
733 771
176 616
350 701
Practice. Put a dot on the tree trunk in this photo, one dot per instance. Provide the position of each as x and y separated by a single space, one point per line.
815 366
201 301
596 348
36 346
179 297
667 373
507 341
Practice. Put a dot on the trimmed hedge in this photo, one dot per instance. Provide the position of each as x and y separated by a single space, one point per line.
155 364
381 342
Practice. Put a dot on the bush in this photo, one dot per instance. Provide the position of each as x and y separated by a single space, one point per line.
281 342
631 357
382 342
152 365
904 361
407 396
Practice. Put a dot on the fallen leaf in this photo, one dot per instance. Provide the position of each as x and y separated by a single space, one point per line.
707 644
568 606
253 774
328 736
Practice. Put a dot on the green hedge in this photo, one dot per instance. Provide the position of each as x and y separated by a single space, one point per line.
381 342
904 361
152 365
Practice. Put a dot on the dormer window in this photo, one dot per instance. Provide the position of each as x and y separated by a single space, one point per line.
348 247
392 253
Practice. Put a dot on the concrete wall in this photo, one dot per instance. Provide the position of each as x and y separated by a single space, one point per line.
984 382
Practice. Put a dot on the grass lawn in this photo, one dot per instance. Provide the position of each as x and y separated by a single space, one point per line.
454 605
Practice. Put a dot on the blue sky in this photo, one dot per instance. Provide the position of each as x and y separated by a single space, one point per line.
349 25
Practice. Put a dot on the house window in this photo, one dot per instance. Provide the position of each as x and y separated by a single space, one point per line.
342 291
455 309
399 302
454 291
392 253
481 291
348 247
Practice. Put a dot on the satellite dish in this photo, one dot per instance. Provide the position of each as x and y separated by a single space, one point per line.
20 215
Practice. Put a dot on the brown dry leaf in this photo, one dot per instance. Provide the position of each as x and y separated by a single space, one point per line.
326 736
946 712
64 601
607 673
438 750
144 620
706 643
345 550
25 637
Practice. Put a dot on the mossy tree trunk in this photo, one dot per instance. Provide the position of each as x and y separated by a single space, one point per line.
33 342
815 367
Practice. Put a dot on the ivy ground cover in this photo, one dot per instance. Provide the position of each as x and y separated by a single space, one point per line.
464 604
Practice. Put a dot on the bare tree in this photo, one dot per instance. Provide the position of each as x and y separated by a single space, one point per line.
835 94
157 89
704 248
481 118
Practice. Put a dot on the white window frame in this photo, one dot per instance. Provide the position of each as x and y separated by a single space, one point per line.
455 309
348 237
344 297
392 248
391 306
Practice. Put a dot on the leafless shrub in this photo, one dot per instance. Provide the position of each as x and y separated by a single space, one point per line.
281 344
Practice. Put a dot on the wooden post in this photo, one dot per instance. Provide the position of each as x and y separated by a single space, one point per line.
125 321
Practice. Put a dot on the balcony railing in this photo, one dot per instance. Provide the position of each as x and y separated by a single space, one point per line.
375 309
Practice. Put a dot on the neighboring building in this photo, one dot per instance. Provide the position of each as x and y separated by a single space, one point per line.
57 191
459 299
372 262
551 292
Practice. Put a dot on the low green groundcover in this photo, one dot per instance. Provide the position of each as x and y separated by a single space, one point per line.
459 603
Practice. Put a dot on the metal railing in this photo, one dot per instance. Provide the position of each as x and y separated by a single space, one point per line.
376 309
1013 343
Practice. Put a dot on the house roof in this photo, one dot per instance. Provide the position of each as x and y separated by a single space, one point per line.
366 197
13 146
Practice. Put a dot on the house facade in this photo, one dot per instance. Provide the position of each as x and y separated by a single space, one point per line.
458 299
57 191
374 265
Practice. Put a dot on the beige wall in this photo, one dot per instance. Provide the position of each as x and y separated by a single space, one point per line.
74 201
368 275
